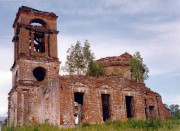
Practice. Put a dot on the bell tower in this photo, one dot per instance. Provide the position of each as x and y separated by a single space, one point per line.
35 47
35 61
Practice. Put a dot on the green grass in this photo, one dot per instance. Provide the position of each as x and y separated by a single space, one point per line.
131 125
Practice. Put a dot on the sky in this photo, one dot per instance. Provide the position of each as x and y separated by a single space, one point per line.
112 27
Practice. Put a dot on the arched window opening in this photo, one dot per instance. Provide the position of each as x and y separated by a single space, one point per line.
37 37
39 73
37 22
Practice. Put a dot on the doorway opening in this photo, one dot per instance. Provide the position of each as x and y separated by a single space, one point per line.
79 107
106 106
129 107
151 111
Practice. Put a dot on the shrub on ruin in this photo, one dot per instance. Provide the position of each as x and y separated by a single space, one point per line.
78 59
95 69
139 70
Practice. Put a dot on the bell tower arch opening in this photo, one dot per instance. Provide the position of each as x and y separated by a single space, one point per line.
39 42
37 22
37 36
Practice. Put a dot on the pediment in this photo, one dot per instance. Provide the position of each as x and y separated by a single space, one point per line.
151 102
79 87
128 89
105 87
78 84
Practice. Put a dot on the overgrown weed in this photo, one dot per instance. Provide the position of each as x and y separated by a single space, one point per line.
130 125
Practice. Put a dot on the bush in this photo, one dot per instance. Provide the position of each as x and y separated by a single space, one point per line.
95 69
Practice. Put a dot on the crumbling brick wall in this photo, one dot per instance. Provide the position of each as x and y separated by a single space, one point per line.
118 88
117 65
50 102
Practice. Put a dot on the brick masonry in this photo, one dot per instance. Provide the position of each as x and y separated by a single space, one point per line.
39 94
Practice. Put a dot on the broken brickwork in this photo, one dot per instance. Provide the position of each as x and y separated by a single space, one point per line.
39 94
117 65
118 89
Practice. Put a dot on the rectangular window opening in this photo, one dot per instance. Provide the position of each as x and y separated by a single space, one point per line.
79 107
146 112
106 106
151 111
129 107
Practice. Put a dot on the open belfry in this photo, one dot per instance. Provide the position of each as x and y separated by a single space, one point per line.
40 95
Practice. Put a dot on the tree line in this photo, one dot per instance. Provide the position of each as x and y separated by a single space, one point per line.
174 111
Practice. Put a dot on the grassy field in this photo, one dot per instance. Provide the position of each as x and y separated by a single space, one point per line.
131 125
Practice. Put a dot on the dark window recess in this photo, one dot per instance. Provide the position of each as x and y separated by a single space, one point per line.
39 73
16 76
39 44
39 39
106 106
79 97
151 111
79 106
146 112
48 45
129 106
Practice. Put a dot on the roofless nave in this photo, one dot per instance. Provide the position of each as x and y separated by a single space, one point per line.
39 94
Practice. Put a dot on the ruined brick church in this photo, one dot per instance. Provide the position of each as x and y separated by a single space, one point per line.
39 94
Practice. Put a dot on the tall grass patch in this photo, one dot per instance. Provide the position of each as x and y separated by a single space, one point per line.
130 125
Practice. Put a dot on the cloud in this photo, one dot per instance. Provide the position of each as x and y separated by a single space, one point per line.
6 58
4 90
133 7
3 111
171 99
163 30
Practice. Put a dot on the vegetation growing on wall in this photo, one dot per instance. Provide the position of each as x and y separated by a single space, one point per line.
139 70
95 69
78 59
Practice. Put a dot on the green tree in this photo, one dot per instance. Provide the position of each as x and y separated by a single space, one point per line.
88 56
78 59
139 70
95 69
